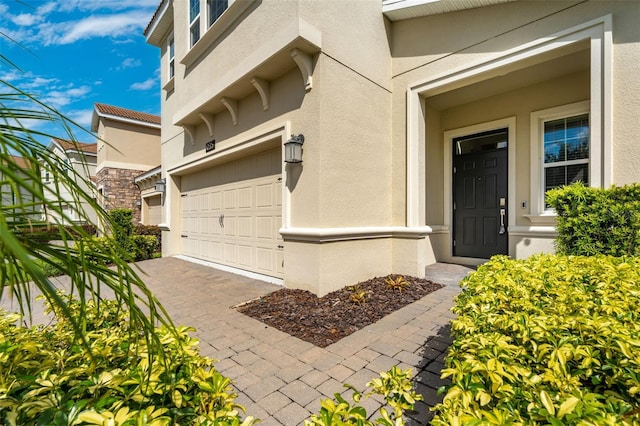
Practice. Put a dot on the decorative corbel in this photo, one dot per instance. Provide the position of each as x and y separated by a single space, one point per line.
262 86
208 120
232 106
191 131
305 64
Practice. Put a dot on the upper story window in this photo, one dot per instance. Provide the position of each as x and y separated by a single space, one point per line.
566 151
194 21
215 8
172 58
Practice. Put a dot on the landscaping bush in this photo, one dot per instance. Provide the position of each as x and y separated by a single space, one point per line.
47 376
150 230
597 221
547 340
122 220
145 246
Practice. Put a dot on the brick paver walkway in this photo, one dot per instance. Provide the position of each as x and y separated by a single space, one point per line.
281 379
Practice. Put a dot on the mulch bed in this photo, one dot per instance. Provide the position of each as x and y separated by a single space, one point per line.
325 320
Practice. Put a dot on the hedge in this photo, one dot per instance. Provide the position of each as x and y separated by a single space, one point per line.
597 221
47 377
547 340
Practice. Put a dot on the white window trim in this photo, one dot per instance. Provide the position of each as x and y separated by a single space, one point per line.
538 118
172 57
208 35
196 21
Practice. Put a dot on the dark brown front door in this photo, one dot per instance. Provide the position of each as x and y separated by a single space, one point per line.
480 194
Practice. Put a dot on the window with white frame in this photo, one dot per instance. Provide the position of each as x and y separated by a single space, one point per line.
194 21
566 151
561 143
172 58
215 8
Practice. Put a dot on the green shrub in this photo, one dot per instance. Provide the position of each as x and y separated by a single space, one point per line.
122 220
394 386
597 221
144 246
150 230
547 340
47 377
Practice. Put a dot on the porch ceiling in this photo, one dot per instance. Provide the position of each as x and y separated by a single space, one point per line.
545 68
397 10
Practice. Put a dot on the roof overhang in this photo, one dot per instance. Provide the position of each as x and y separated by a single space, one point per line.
95 119
160 24
397 10
150 174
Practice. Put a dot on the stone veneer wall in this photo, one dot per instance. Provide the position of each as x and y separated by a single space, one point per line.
118 189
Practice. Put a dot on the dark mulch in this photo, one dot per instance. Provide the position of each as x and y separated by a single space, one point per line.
323 321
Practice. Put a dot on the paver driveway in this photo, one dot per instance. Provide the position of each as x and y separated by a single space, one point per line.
281 379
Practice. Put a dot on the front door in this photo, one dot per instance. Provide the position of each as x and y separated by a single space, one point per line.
480 177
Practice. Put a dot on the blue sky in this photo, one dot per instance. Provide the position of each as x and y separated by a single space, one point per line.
73 53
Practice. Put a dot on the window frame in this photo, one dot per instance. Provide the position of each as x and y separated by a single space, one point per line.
171 54
537 122
194 21
211 17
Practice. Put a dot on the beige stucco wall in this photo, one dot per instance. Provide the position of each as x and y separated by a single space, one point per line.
344 180
84 167
354 118
428 48
128 145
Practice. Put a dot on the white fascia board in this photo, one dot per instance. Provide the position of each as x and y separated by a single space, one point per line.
129 120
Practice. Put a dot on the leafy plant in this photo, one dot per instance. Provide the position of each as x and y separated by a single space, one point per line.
358 295
27 257
394 385
396 282
47 377
597 221
546 340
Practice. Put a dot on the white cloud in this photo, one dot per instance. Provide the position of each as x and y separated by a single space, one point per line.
82 117
144 85
26 19
130 63
46 8
118 25
60 98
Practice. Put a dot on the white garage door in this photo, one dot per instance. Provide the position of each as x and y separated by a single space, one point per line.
232 213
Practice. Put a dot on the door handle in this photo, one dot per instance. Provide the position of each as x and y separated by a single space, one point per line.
502 230
221 220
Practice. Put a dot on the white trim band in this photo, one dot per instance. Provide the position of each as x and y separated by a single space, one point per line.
328 235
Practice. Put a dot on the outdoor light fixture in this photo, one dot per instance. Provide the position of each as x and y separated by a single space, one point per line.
161 185
293 149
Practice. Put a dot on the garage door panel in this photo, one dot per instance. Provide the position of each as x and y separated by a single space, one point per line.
245 198
244 226
264 227
244 256
247 194
230 199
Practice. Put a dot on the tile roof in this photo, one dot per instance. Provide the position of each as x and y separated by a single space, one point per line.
90 148
127 113
21 162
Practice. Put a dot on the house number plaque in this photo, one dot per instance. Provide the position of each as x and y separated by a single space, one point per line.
210 146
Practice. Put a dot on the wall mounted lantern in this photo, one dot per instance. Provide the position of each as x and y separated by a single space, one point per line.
293 149
161 185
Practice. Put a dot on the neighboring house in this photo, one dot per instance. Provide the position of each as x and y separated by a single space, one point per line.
151 196
17 202
81 158
128 145
432 128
